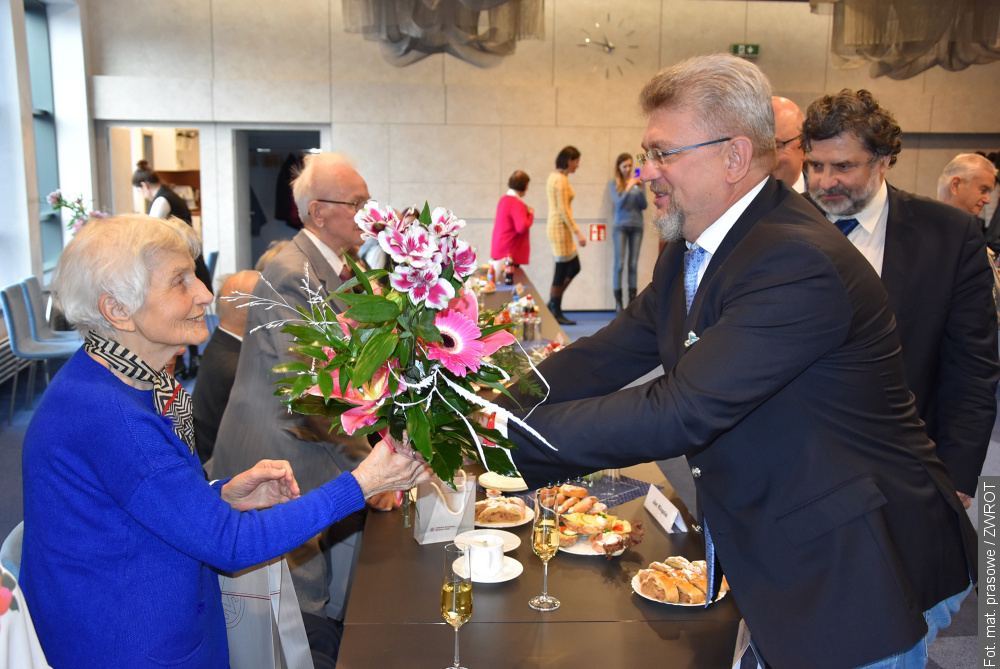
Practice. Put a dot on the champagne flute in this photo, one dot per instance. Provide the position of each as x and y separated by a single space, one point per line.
545 544
456 590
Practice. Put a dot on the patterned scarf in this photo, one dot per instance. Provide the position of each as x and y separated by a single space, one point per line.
169 396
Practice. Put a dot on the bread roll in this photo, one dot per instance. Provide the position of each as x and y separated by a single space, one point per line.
659 586
583 505
688 593
573 491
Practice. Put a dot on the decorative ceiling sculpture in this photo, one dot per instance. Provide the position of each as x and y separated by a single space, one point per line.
902 38
409 30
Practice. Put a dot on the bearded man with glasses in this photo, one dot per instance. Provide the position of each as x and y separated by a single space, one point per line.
933 263
328 193
821 499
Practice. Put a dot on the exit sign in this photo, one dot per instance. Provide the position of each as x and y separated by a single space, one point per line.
746 50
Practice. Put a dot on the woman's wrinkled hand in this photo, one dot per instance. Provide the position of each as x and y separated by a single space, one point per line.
384 470
269 482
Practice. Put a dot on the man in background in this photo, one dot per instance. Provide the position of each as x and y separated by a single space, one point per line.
328 193
933 263
219 361
967 182
787 133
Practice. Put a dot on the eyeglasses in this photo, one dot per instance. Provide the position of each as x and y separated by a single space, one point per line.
658 156
781 144
357 205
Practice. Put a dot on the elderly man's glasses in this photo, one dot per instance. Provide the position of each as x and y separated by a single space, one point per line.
782 143
659 158
357 205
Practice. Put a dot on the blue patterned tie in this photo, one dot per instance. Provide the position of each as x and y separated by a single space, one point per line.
845 225
692 263
714 569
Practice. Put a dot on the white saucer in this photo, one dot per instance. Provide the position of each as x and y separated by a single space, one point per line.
510 541
511 569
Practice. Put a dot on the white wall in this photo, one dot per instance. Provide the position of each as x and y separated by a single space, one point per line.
451 133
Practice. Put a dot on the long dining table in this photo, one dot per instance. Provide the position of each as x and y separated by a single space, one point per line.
393 618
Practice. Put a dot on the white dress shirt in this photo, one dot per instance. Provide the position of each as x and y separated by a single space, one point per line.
712 237
869 235
336 262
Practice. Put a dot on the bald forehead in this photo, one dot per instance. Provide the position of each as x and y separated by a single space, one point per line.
787 115
340 179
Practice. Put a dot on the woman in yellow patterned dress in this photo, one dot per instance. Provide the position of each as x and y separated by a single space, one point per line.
561 229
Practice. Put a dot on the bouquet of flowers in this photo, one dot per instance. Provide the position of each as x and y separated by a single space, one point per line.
407 358
80 213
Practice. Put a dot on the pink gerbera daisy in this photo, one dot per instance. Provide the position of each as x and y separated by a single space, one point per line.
460 350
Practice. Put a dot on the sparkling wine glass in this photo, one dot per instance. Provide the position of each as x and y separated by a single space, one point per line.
456 590
545 544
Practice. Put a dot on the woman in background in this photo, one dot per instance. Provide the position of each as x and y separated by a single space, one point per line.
164 202
512 227
629 199
562 228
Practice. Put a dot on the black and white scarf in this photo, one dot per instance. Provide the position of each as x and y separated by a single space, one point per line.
169 396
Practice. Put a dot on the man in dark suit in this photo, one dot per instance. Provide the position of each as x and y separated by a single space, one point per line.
822 500
219 362
328 193
933 263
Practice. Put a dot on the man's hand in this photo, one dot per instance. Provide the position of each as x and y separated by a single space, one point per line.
383 501
966 500
270 482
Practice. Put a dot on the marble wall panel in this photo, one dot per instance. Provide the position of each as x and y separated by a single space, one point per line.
279 40
377 102
129 38
446 154
935 151
600 106
355 59
967 110
470 201
151 99
502 105
788 33
694 28
906 98
367 144
903 174
623 42
529 65
271 101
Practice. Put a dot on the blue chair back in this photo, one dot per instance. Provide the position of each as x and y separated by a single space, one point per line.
15 313
210 262
40 329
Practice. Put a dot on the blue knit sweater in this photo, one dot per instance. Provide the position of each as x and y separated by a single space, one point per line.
121 530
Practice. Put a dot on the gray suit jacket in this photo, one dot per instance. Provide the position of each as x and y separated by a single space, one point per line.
256 425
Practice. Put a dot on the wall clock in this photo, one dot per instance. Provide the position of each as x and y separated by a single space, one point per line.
613 41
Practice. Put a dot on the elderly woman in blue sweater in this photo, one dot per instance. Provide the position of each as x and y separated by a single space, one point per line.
122 532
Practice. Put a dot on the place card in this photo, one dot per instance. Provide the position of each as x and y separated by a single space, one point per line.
663 510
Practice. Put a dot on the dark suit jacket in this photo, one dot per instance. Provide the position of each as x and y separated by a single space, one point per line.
211 392
940 287
832 518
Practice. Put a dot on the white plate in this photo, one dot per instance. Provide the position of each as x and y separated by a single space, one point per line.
635 588
529 515
493 481
583 547
510 541
511 569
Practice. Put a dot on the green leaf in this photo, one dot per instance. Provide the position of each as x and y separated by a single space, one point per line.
425 215
402 352
325 380
427 333
316 352
497 460
419 430
303 333
314 406
294 366
374 354
359 275
372 309
362 431
303 383
487 331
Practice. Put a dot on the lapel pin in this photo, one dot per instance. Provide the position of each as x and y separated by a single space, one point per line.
692 338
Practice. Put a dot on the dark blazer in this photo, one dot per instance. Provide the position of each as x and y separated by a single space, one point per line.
211 393
835 523
940 287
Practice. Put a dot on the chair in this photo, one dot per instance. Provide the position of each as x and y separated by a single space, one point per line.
210 262
15 313
10 551
40 329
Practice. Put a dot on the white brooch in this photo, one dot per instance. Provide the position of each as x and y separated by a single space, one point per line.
692 338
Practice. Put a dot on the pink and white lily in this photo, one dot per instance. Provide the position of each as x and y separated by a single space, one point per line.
423 284
372 219
445 223
414 246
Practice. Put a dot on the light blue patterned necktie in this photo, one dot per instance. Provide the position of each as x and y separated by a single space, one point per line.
692 263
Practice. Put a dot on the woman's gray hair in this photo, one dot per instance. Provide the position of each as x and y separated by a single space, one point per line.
730 96
114 256
304 184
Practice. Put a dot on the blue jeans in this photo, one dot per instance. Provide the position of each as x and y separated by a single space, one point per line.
627 240
938 617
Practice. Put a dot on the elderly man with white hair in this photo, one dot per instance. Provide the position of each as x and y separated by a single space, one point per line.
328 193
967 182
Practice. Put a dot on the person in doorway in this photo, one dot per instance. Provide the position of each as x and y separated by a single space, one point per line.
562 228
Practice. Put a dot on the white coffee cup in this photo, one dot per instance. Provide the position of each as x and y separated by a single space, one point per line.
486 555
